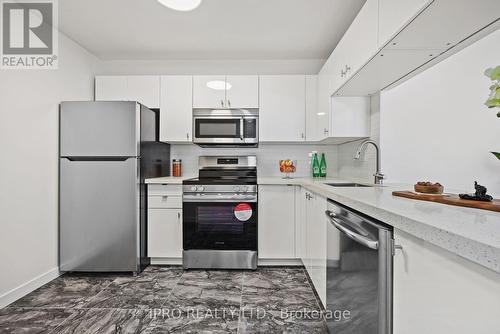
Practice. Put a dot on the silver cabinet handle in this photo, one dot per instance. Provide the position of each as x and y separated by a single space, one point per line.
325 131
373 244
178 215
303 136
229 103
187 135
222 103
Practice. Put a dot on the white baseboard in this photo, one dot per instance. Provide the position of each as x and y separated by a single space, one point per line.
280 262
163 261
25 288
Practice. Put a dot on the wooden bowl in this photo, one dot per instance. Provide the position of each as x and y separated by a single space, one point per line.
433 189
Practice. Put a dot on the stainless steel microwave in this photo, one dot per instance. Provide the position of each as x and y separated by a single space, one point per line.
226 127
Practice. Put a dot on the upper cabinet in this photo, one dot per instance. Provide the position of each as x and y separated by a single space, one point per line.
238 91
394 15
144 89
390 41
209 91
358 45
242 91
282 112
176 115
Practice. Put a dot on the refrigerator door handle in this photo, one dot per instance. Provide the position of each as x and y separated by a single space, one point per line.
98 158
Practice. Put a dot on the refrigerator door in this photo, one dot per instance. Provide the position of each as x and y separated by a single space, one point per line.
99 129
99 214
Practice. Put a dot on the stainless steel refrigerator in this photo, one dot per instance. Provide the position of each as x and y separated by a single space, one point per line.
107 149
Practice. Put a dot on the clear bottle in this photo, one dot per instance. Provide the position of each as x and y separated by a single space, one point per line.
322 166
315 165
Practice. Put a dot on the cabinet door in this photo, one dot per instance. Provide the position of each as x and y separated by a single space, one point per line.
394 15
144 89
176 114
282 108
111 88
276 222
300 224
209 91
318 249
165 233
242 91
312 133
436 291
359 44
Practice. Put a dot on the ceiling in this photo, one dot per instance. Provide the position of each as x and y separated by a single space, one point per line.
218 29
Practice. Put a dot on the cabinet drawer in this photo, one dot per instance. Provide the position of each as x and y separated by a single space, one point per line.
164 189
165 202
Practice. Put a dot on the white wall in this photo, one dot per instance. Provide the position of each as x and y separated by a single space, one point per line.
435 126
193 67
268 156
29 102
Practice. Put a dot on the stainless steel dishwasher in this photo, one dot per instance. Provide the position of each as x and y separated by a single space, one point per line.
359 273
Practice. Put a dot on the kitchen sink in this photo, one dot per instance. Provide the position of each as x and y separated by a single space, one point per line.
348 185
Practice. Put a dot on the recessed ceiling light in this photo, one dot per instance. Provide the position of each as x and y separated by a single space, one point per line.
321 113
181 5
219 85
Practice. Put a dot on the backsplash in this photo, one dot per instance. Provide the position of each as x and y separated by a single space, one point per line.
268 156
364 168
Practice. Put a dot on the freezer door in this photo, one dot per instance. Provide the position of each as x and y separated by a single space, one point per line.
99 215
99 129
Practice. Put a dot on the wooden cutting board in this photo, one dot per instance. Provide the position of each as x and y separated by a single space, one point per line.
450 199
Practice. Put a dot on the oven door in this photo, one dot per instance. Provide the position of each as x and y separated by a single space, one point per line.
218 130
227 224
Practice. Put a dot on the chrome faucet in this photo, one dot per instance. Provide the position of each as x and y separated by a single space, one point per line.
379 177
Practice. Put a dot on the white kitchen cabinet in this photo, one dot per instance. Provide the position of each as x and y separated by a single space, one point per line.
316 243
209 91
282 108
242 91
314 117
394 15
165 233
350 117
176 115
300 223
358 45
436 291
165 223
276 222
144 89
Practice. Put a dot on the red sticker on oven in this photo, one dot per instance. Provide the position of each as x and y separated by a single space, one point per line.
243 212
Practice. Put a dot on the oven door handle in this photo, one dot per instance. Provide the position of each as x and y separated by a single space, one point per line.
373 244
242 124
219 198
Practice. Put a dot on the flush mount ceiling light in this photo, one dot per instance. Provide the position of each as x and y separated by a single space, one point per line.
181 5
219 85
321 113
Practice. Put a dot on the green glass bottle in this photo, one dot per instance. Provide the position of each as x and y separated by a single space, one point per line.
322 166
316 171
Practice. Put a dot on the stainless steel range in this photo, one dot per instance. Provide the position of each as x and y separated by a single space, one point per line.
220 214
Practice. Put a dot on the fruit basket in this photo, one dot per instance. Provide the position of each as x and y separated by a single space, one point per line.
288 167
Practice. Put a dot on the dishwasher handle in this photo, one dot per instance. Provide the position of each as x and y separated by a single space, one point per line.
334 220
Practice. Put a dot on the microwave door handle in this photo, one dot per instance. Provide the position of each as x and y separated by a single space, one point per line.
242 124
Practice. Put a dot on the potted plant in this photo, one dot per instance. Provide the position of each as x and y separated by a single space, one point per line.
494 98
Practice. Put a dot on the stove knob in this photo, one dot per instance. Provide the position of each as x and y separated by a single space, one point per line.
236 188
193 188
201 188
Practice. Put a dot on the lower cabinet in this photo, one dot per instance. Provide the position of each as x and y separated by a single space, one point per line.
316 247
165 232
436 291
165 221
276 222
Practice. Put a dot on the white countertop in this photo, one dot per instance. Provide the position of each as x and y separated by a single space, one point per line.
471 233
167 180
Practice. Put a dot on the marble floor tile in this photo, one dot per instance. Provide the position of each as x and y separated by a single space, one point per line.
275 322
97 321
30 320
65 292
275 278
195 325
